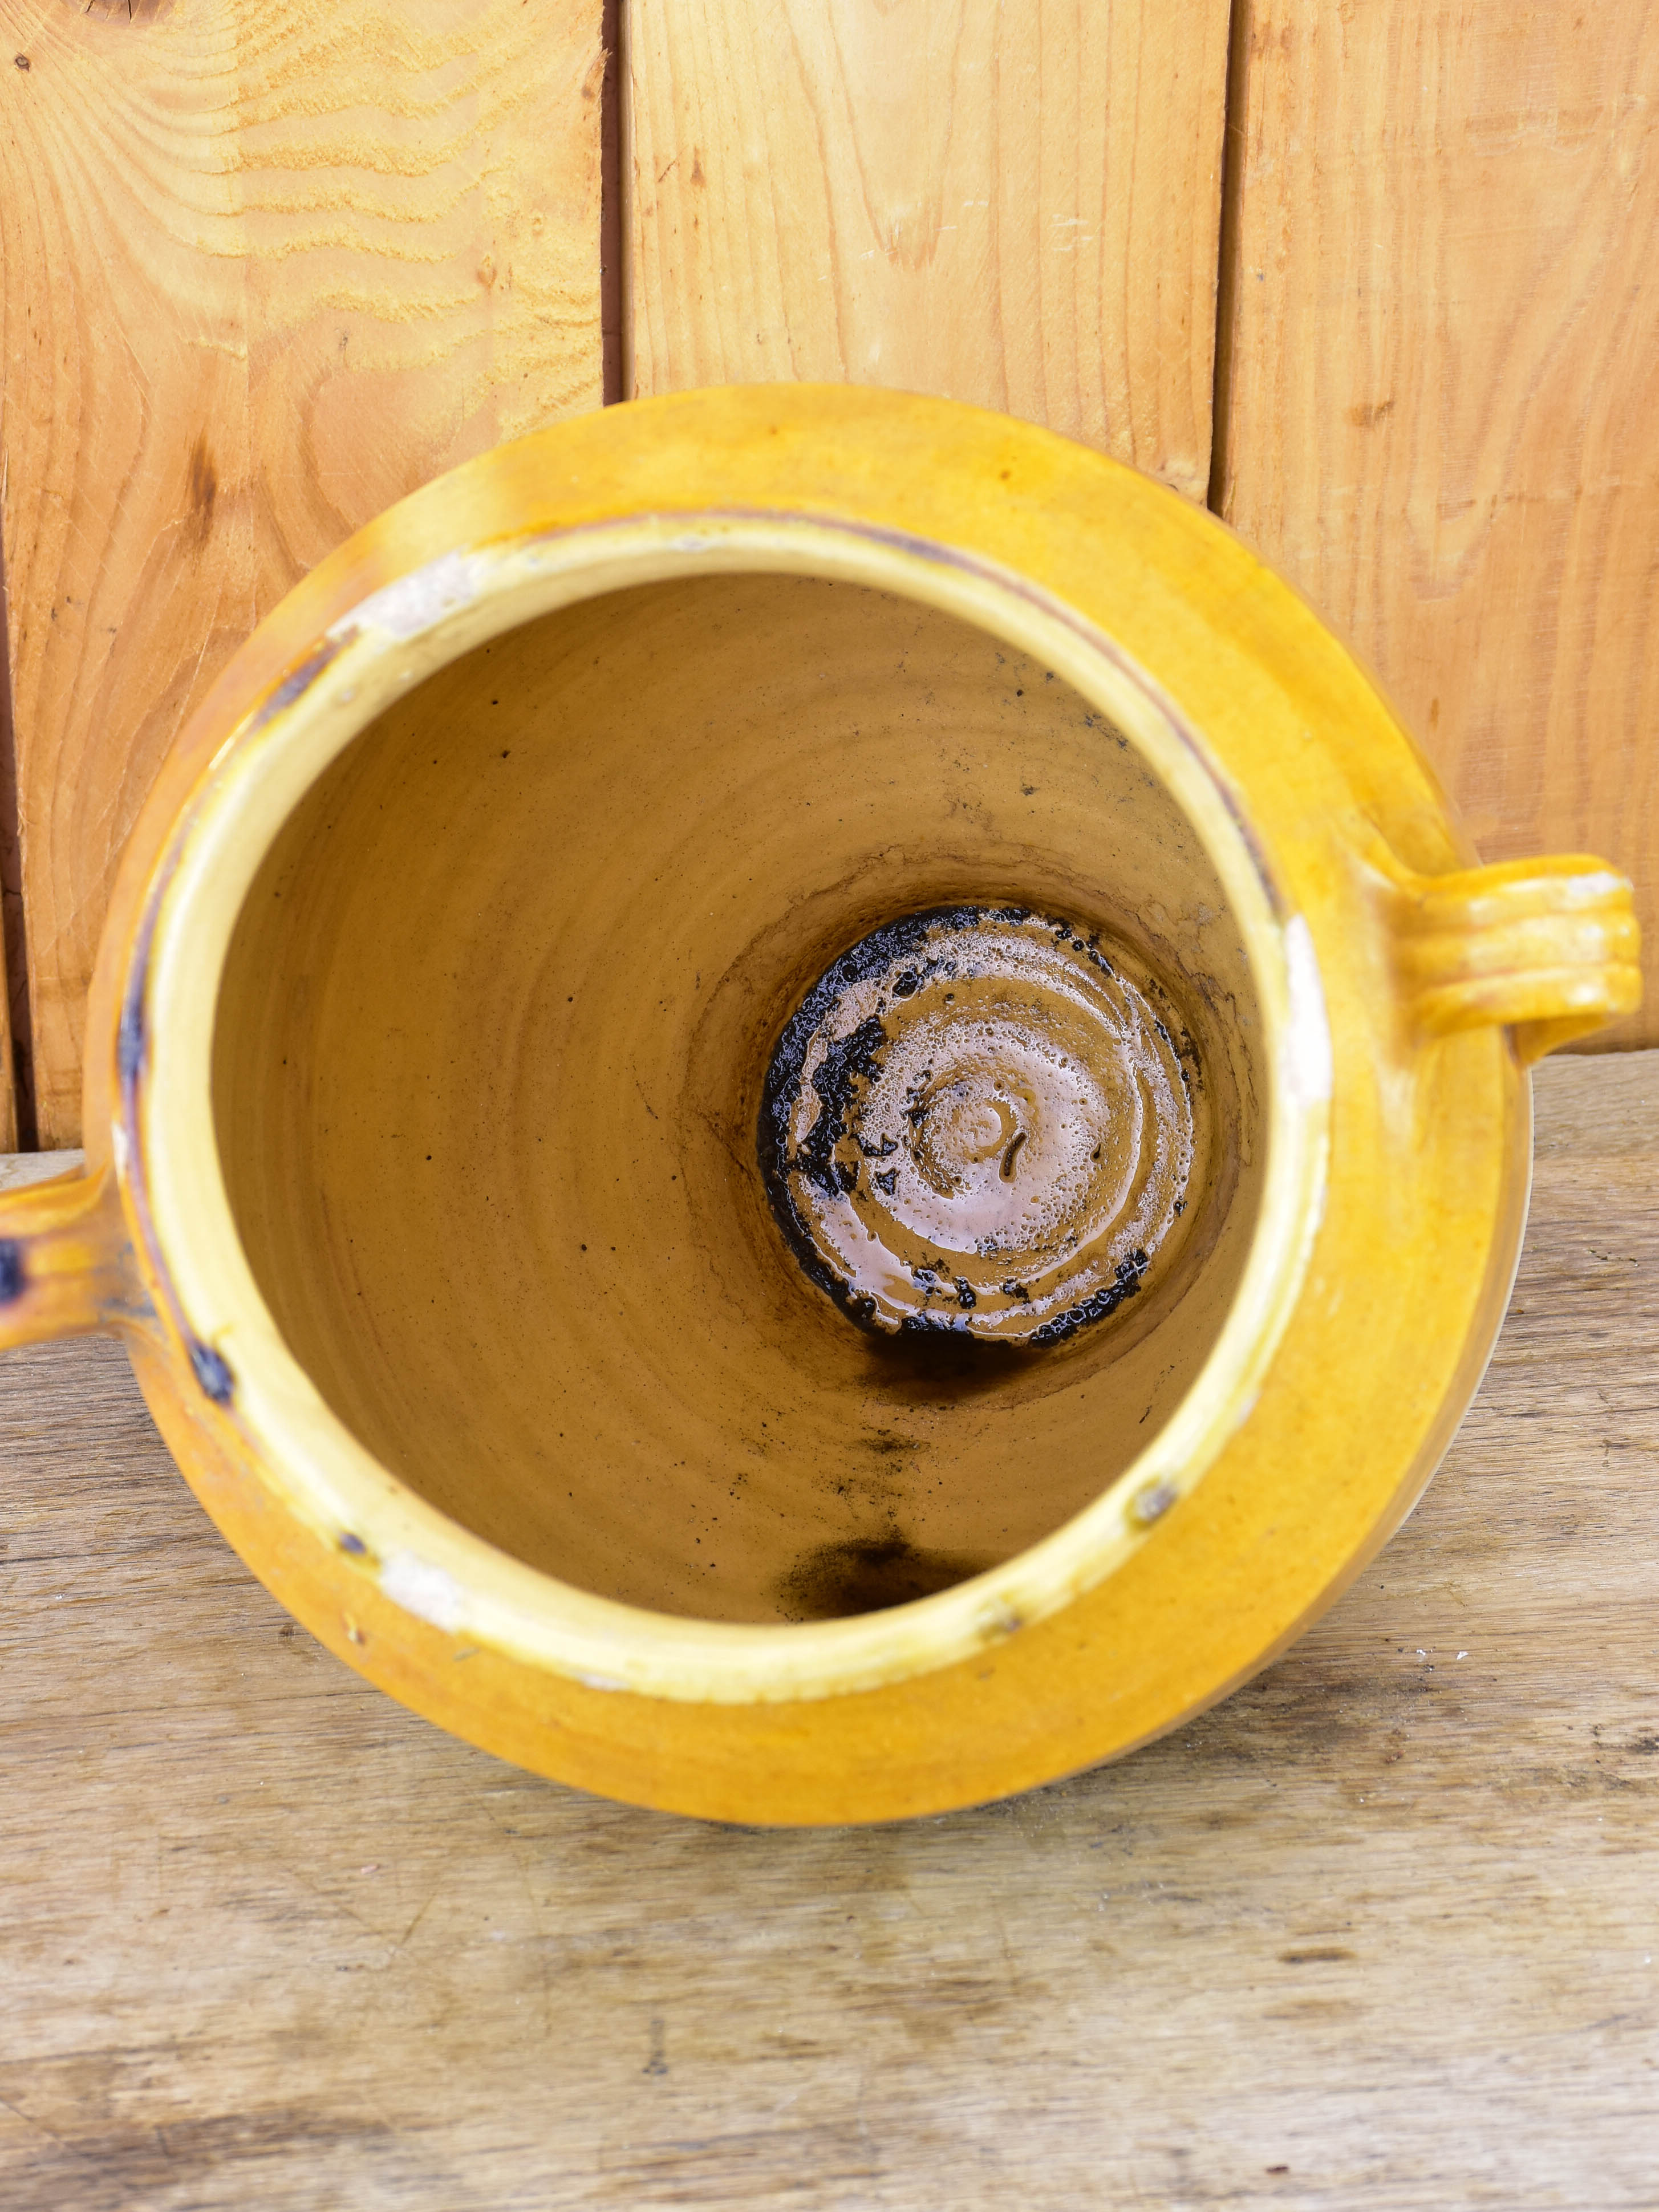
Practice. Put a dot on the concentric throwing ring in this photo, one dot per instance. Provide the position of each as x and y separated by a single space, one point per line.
980 1120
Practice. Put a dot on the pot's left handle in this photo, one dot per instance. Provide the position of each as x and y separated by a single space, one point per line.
1549 949
66 1267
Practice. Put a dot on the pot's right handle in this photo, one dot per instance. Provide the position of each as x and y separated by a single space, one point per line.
1548 947
66 1267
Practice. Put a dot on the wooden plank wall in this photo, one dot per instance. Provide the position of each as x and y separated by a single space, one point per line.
1441 414
8 1130
263 270
1012 202
12 1076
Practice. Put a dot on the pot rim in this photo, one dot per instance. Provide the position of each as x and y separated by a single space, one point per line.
166 1144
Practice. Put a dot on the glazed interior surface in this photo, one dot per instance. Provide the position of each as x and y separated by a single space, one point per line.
490 1071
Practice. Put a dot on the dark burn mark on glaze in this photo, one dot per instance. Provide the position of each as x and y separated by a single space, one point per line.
130 1032
210 1369
212 1372
889 1443
1104 1301
783 1078
14 1275
300 677
835 1083
836 1581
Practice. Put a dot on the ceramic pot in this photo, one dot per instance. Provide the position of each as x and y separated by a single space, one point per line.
799 1108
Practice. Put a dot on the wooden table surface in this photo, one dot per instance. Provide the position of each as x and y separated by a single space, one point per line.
1382 1931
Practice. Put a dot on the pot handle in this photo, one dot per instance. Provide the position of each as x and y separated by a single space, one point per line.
1549 947
66 1264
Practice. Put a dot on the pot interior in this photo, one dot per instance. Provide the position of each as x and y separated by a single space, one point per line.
491 1066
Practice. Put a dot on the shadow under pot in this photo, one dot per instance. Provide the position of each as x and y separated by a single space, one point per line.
799 1151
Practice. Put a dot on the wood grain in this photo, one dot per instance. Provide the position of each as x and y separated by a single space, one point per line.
8 1091
1441 363
263 270
18 1170
1011 202
1379 1935
14 984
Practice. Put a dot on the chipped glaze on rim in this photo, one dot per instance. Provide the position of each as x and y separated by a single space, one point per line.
309 1460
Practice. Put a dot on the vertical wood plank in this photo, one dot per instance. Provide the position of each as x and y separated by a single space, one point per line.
14 985
1442 368
263 270
8 1092
1011 202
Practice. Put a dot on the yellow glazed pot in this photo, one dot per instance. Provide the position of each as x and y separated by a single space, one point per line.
799 1108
